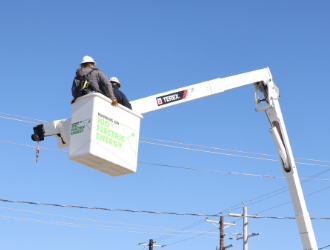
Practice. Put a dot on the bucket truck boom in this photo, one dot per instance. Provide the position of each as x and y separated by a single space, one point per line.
264 84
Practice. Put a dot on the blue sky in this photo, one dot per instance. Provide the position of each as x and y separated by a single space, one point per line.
152 47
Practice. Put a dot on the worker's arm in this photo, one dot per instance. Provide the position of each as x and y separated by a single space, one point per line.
126 103
75 88
107 86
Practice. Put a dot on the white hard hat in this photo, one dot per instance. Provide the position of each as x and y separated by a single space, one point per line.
87 59
115 79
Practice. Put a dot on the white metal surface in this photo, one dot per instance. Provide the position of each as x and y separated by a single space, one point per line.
198 90
251 235
245 231
104 137
275 117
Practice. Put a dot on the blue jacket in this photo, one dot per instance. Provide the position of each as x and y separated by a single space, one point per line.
121 97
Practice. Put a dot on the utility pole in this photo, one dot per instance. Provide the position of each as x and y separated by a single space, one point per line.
245 226
245 231
221 232
151 244
222 223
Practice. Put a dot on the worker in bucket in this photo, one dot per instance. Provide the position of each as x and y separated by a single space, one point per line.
121 97
90 79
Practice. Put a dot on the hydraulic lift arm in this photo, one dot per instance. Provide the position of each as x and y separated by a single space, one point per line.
198 90
263 83
58 128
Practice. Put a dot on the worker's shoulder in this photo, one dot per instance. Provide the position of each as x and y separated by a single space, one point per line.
97 70
122 92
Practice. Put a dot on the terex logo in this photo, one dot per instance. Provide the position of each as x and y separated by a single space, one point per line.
173 97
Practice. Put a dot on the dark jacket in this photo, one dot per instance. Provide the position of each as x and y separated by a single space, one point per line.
121 97
98 80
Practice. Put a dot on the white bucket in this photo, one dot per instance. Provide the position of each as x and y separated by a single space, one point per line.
104 137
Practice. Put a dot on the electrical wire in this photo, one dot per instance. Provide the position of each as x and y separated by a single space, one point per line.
278 190
105 209
234 173
100 227
190 226
324 247
20 144
205 170
291 201
120 223
181 230
162 164
198 146
17 120
238 151
23 117
195 224
187 238
146 211
285 188
218 153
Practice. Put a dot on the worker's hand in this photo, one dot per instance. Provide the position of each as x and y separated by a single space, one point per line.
114 102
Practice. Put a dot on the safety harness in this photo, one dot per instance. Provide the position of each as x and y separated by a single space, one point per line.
85 85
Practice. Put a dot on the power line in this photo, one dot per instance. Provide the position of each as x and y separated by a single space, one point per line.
234 173
100 227
17 120
318 174
20 144
145 211
233 150
164 165
23 117
233 208
243 156
307 179
291 202
106 209
286 189
189 238
324 247
182 230
227 154
156 140
149 228
194 146
195 224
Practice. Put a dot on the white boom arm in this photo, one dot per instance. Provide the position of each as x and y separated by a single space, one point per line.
263 82
198 90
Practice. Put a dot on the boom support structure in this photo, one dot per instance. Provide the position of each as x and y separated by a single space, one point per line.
263 83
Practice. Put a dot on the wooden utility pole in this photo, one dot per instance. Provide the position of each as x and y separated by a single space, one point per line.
221 232
221 227
151 244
